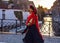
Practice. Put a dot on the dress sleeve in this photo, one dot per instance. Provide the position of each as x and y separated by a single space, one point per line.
28 19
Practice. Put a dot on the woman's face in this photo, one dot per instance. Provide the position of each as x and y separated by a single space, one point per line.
30 10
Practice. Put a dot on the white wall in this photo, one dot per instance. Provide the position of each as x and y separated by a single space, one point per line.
25 15
0 14
9 14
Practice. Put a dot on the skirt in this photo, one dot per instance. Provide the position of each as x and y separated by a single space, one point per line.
33 36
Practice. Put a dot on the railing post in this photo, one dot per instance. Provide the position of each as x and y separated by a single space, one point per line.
20 23
49 28
16 26
1 25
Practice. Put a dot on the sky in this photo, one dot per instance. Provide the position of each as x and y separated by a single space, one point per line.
45 3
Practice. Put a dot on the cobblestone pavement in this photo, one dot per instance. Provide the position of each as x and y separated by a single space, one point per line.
52 39
13 38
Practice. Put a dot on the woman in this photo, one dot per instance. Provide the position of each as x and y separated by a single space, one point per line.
32 31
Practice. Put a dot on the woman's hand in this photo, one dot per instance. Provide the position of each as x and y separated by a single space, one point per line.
25 31
30 22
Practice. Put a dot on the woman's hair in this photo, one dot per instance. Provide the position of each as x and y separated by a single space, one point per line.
34 9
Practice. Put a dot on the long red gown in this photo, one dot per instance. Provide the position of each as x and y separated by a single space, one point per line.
33 35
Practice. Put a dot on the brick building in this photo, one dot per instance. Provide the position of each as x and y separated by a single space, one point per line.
56 17
15 4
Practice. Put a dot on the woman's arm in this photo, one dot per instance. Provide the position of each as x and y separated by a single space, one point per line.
29 20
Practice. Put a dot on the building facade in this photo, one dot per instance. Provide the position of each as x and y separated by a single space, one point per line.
56 17
15 4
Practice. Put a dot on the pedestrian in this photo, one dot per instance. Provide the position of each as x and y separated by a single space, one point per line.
32 31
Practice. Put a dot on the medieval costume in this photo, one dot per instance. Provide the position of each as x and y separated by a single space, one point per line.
32 31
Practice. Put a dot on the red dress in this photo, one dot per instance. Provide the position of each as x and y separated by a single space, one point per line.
35 19
33 35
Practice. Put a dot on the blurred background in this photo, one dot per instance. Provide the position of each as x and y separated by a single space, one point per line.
14 13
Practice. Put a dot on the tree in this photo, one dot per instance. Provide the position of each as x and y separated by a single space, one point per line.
18 15
10 1
40 12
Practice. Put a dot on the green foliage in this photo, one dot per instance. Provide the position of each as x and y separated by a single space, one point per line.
19 15
10 1
41 13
